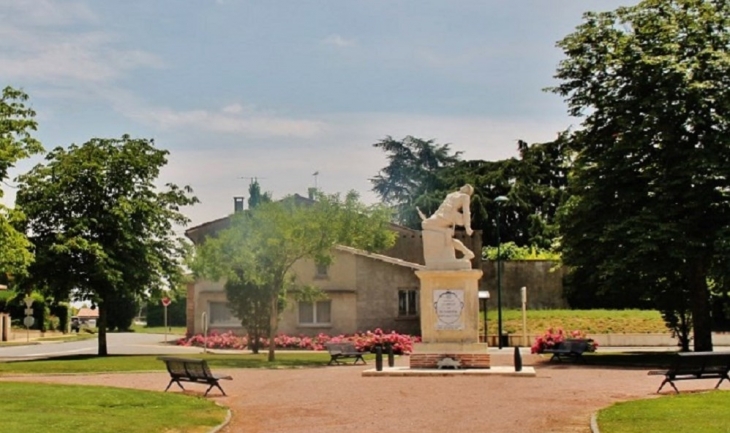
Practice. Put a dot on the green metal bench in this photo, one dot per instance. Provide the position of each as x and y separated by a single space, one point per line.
696 365
191 370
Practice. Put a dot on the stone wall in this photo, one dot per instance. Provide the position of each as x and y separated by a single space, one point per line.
543 280
409 246
377 296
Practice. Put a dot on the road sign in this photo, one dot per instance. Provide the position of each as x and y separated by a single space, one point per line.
28 321
166 301
28 311
28 301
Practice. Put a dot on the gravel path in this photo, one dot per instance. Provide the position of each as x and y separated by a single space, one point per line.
560 398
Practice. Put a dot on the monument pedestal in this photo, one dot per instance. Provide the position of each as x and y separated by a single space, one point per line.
449 308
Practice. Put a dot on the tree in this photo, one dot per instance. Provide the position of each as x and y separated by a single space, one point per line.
412 168
535 184
259 248
101 229
649 191
255 197
17 121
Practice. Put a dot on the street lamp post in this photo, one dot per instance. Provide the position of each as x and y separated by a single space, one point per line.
483 298
499 200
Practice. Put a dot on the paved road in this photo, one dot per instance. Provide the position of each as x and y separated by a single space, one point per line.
117 343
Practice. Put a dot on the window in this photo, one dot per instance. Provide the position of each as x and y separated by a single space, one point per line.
315 313
321 271
220 315
408 302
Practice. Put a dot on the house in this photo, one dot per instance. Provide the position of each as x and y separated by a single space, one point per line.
364 290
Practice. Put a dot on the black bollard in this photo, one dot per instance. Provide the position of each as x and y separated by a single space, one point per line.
378 358
391 358
518 359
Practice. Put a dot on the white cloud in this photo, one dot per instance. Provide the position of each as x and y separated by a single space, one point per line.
337 41
45 12
42 43
232 119
342 153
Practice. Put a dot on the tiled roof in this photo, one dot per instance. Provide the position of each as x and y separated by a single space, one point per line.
382 258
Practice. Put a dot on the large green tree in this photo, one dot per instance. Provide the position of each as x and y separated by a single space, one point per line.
101 228
535 183
17 122
259 248
413 166
649 192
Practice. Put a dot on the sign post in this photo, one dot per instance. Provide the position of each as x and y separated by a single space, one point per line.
165 302
28 320
523 292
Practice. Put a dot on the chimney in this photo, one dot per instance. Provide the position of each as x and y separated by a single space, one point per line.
238 204
311 192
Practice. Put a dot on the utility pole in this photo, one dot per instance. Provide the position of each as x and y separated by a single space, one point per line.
315 174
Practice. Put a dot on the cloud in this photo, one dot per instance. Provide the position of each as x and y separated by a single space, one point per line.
56 43
337 41
342 153
232 119
45 12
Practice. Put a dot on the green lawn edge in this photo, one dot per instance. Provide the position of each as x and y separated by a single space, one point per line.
701 412
98 409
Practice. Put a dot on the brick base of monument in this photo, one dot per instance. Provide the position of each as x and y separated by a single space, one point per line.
467 360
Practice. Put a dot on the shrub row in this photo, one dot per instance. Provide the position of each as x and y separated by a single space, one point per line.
364 341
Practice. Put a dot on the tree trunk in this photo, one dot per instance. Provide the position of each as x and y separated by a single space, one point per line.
700 306
101 325
273 321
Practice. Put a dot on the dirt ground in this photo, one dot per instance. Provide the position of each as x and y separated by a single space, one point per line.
561 398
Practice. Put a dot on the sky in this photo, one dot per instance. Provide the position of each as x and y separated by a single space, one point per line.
280 90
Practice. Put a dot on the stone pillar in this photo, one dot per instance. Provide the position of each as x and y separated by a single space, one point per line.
449 309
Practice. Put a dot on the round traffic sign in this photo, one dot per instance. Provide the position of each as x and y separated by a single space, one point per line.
166 301
28 321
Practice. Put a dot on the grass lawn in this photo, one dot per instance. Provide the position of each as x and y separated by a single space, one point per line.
705 412
589 321
70 337
120 363
93 409
173 330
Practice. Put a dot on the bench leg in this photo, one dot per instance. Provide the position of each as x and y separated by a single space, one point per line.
333 358
669 381
211 387
359 357
175 381
721 379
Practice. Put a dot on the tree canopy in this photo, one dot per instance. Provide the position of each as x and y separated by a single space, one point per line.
649 190
17 122
101 229
259 248
535 184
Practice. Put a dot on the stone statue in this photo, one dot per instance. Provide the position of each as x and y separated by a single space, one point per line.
439 246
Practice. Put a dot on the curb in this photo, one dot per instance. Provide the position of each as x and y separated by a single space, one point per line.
594 423
225 422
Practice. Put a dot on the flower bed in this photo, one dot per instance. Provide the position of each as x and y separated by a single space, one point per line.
364 342
552 337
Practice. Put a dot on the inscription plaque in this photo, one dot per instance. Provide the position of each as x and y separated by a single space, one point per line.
449 306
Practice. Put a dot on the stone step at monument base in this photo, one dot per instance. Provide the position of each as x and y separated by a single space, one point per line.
467 355
430 372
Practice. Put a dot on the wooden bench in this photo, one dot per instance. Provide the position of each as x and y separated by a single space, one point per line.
191 370
696 365
569 348
339 351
